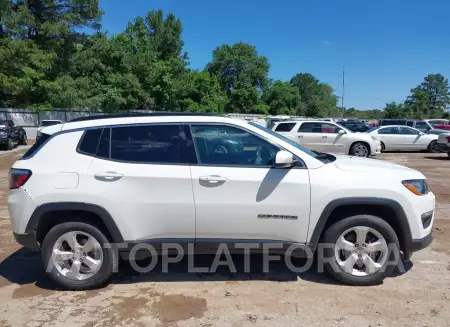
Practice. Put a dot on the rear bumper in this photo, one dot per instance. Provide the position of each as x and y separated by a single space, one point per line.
444 147
27 240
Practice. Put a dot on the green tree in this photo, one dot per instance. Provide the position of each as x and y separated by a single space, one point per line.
394 110
242 74
282 99
431 99
317 98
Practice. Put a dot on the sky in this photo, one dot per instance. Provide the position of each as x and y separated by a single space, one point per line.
386 46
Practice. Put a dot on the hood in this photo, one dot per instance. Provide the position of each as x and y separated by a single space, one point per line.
350 163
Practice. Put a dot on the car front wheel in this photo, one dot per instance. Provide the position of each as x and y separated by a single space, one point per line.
75 257
360 250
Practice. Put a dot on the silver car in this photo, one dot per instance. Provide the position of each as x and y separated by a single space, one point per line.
405 138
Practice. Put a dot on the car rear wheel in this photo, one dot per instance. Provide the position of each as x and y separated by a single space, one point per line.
10 144
383 147
360 150
361 250
24 140
433 147
75 257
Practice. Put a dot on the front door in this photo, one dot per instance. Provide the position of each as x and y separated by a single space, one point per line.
239 195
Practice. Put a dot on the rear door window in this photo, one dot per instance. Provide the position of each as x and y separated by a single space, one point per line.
157 144
89 141
388 130
284 127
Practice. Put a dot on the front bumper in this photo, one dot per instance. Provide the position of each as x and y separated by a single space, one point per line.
411 246
27 240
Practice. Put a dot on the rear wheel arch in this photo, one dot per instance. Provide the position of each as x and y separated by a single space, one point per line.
49 215
386 209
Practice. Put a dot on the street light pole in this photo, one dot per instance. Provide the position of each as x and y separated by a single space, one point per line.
343 90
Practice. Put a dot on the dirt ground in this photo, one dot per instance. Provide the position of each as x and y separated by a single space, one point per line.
420 297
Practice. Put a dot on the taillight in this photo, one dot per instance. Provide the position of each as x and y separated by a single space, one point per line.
447 138
18 177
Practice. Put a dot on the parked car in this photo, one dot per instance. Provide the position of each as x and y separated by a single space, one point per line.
355 126
329 137
11 135
444 143
405 138
422 125
145 179
439 123
46 123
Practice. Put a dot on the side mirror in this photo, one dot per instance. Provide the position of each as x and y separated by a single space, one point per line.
341 132
421 133
284 159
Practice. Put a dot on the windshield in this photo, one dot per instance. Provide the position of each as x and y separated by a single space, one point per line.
50 122
372 129
285 139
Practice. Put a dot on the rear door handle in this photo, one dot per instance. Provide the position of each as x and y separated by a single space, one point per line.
108 176
213 179
324 137
300 136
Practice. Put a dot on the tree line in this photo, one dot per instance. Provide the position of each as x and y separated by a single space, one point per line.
47 61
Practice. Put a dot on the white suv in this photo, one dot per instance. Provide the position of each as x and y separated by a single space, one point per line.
208 180
327 136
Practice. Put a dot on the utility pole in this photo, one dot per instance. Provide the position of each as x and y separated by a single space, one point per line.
343 90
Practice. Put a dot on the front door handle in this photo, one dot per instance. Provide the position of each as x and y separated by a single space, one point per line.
213 179
300 136
324 137
109 176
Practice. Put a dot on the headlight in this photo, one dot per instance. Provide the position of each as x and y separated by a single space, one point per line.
417 186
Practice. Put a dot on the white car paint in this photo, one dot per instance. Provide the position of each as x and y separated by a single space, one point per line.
154 201
331 142
403 138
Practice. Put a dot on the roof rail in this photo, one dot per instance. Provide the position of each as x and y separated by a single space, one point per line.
142 114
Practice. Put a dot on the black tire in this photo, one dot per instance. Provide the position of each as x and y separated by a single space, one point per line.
448 153
355 149
100 277
433 147
10 145
24 139
383 147
334 232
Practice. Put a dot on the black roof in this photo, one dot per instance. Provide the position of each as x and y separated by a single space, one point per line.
143 114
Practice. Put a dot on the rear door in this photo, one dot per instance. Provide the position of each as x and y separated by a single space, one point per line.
333 141
141 176
391 138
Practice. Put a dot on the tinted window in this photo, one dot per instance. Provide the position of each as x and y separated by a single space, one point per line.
319 128
385 122
408 131
230 146
284 127
36 146
421 125
89 141
104 145
388 130
50 122
149 144
410 123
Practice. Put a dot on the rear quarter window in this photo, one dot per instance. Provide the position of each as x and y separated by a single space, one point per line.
285 127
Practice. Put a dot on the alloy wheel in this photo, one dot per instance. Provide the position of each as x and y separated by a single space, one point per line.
361 251
77 255
361 150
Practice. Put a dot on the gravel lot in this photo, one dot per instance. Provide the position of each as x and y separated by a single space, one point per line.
421 297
